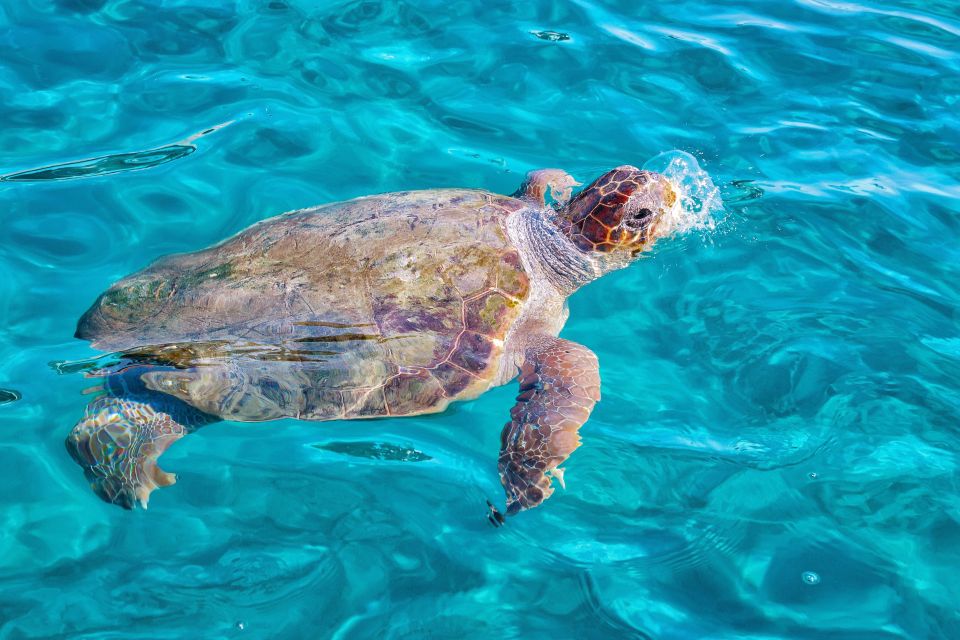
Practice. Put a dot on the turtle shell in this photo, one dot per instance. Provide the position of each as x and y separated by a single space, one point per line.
386 305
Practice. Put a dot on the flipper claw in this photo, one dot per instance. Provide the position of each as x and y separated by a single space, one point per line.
494 516
557 472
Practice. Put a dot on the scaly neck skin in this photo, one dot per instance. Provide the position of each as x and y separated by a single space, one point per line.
556 268
552 256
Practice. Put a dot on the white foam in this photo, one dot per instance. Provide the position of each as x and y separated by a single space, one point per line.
699 205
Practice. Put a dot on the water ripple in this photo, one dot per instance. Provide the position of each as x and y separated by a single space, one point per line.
111 163
814 331
375 451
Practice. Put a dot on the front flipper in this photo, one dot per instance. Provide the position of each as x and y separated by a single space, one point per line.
535 187
118 441
559 384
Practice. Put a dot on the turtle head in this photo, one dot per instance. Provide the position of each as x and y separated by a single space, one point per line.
620 212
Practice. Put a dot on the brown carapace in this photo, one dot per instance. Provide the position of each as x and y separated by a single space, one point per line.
619 210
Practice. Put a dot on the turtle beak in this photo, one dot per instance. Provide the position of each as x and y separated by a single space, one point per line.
662 224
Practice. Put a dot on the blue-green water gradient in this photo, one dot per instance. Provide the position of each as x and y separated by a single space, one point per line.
776 452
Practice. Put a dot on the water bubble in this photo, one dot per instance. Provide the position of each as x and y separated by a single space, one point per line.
699 205
810 578
241 625
812 475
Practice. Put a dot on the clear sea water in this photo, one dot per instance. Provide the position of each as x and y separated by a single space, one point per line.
776 453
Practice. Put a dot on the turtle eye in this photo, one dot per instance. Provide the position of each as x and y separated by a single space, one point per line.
638 220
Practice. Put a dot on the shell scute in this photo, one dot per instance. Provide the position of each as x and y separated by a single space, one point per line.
512 279
323 403
452 379
472 353
364 402
472 270
410 392
486 314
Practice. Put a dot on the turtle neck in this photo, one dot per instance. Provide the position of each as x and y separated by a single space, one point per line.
550 254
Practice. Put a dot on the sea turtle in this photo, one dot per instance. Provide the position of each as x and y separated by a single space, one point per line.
388 305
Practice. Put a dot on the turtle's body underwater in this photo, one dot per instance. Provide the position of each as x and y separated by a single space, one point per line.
388 305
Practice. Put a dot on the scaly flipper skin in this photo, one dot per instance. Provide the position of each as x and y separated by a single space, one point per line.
559 183
559 384
118 441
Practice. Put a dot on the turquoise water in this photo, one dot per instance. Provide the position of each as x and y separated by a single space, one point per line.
776 453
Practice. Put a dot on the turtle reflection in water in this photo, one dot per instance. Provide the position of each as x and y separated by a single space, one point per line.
389 305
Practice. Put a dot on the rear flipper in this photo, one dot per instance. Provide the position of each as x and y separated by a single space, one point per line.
559 384
118 441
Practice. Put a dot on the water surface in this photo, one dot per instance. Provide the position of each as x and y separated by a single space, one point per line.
776 453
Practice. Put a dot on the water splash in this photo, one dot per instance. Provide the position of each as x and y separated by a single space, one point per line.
112 163
699 206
